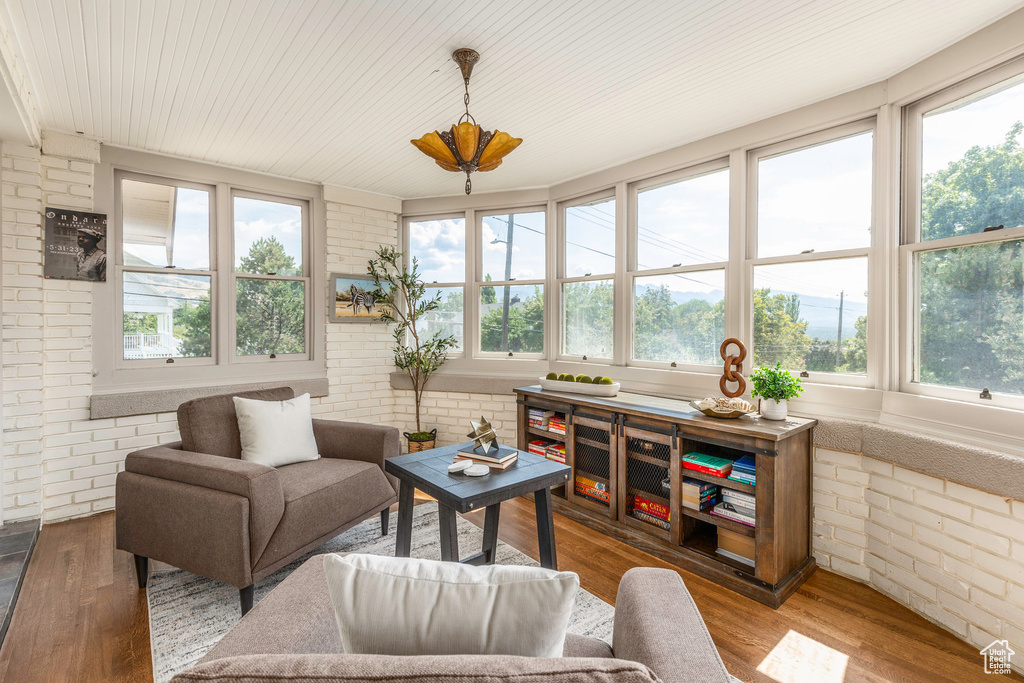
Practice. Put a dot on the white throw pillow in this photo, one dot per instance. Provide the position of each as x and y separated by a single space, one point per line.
402 606
276 433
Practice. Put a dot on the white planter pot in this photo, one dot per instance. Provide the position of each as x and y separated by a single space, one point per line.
773 410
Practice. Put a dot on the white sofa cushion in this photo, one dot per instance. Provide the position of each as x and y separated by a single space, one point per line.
402 606
276 433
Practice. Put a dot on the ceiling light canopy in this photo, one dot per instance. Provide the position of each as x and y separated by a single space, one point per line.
466 147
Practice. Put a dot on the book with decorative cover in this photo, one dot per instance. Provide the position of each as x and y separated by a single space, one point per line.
709 464
500 455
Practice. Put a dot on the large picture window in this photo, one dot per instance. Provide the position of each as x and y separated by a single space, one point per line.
811 235
962 254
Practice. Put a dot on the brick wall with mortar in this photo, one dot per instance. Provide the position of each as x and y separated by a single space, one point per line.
450 412
952 553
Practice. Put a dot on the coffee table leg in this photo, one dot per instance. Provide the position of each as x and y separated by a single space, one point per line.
490 548
545 529
449 533
403 539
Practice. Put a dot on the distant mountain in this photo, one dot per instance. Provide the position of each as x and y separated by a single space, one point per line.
820 313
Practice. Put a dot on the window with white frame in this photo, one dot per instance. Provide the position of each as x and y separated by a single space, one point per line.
810 235
680 247
169 274
963 239
511 282
587 283
438 247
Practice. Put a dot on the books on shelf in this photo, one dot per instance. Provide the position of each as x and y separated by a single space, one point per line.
730 511
708 464
501 459
736 546
556 424
539 417
592 489
539 447
699 495
556 452
652 508
650 519
739 499
744 470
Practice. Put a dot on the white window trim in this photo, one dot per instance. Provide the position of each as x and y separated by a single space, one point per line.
910 234
477 273
114 376
752 260
633 270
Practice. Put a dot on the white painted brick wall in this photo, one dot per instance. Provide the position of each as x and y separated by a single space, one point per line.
450 413
950 552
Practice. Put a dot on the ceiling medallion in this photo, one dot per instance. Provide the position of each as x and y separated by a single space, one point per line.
466 148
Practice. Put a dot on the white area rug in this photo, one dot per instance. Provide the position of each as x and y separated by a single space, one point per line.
188 614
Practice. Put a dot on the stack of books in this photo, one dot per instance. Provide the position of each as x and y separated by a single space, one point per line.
708 464
556 423
651 512
556 452
539 418
737 506
745 470
500 459
699 495
589 488
736 546
539 447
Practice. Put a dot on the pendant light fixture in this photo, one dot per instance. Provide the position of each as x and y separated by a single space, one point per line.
466 147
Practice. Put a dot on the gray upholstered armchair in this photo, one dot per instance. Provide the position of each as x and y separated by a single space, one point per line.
198 506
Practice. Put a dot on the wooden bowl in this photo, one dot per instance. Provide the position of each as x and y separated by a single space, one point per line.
724 413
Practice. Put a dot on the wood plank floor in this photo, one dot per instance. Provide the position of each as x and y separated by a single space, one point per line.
81 616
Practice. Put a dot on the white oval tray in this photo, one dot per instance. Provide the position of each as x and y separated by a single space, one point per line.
577 388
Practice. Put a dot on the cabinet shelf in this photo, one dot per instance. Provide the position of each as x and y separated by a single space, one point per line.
721 481
723 522
554 436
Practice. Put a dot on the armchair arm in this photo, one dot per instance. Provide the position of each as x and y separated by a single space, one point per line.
658 624
355 441
260 484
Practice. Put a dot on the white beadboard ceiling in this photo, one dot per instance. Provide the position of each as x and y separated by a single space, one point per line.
332 91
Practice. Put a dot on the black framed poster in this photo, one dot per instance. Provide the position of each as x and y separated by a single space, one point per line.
76 245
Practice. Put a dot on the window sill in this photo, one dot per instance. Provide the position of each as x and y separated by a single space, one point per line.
167 400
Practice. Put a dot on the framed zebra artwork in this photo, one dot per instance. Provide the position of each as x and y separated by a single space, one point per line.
352 299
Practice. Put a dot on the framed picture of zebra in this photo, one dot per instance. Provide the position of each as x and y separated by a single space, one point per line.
352 299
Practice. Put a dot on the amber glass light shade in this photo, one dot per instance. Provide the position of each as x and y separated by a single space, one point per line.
467 147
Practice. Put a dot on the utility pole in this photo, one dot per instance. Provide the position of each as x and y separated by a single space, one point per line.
508 277
839 334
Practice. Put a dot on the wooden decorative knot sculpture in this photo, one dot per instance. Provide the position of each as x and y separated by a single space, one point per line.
733 368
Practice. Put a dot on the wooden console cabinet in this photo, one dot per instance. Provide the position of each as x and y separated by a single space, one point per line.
631 443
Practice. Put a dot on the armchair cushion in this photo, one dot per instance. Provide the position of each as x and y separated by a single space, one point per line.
276 433
259 484
322 496
209 424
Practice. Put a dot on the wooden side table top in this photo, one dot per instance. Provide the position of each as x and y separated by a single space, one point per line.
428 471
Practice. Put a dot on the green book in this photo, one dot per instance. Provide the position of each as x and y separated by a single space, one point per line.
709 461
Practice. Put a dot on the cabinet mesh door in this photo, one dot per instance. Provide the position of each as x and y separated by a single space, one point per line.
592 460
647 499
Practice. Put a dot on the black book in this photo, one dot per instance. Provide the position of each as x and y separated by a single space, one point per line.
498 455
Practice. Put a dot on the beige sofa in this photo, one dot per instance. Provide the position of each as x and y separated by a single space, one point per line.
291 635
198 506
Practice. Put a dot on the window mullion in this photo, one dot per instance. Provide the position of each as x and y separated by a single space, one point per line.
222 325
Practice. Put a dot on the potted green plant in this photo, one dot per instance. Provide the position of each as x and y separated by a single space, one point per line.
775 387
404 304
